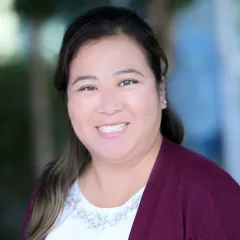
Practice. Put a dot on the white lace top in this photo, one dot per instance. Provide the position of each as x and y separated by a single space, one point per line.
82 220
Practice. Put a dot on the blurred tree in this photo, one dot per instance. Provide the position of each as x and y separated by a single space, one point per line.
160 15
16 179
176 4
14 141
36 13
72 8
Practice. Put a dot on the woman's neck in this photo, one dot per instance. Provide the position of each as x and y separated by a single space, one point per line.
108 185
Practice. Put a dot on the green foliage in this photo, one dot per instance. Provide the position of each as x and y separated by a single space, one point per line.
75 7
14 121
45 8
59 117
16 171
176 4
140 7
41 9
16 178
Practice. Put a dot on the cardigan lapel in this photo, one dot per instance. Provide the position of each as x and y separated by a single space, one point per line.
146 212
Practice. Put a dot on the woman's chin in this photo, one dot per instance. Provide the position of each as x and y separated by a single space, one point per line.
113 155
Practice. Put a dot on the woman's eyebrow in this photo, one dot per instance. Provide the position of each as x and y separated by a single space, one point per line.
129 70
86 77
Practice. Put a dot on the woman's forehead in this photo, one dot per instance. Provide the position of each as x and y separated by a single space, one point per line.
114 53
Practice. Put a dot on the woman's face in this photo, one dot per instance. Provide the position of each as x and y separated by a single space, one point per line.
113 103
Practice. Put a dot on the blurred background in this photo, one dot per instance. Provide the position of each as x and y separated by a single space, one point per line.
202 41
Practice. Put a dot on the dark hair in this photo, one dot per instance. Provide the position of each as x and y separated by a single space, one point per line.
97 23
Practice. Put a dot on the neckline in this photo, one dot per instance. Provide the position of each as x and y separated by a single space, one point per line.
91 207
100 218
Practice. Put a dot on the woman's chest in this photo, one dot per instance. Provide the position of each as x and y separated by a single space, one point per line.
75 228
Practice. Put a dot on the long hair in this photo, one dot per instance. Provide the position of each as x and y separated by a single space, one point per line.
59 175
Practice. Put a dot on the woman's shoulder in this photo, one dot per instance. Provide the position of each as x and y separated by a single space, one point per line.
209 195
195 171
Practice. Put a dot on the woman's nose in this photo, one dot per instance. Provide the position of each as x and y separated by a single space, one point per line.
110 102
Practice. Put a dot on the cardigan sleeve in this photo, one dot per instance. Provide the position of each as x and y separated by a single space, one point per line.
221 217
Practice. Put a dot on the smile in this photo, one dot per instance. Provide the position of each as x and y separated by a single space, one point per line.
112 128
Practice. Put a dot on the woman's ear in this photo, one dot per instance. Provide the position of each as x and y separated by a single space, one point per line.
162 93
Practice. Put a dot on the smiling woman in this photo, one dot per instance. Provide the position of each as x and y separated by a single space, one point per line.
124 174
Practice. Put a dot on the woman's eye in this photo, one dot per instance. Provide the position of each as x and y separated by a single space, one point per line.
86 89
127 82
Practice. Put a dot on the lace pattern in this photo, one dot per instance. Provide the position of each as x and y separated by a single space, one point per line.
98 220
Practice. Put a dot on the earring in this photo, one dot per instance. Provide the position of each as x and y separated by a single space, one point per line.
164 101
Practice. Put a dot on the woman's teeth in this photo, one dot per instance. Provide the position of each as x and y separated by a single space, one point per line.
113 128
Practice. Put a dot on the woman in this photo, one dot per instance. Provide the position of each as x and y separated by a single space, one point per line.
124 174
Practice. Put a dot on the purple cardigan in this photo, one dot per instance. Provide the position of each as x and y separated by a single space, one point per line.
187 197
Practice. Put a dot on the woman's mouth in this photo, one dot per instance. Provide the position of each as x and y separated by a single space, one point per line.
112 128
